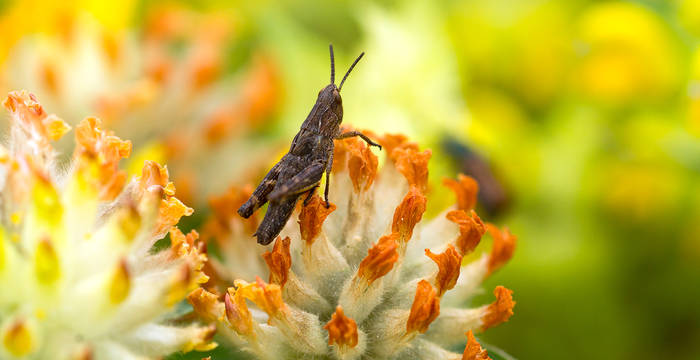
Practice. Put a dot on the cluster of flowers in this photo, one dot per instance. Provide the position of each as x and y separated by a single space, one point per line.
364 278
78 272
82 276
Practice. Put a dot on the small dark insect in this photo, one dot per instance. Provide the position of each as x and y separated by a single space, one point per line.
301 169
493 194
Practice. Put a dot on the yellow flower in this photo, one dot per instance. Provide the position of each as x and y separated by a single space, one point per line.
364 277
77 269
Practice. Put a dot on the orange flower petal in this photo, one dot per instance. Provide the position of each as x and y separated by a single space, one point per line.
449 262
471 229
425 308
500 310
26 108
279 261
105 150
342 330
466 189
380 258
413 165
267 297
473 350
362 164
503 247
204 304
312 217
390 142
170 212
237 312
153 174
408 214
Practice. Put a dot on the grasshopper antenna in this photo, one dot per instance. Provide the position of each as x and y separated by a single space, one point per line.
350 69
330 47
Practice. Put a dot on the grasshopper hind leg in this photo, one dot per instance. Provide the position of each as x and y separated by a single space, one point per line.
276 217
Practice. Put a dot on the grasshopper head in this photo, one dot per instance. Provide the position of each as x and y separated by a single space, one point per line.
331 93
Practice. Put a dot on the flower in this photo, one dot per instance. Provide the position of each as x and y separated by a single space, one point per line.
366 277
79 273
165 86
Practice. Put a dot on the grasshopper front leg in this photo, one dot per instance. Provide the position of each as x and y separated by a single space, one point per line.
299 183
259 196
364 137
329 167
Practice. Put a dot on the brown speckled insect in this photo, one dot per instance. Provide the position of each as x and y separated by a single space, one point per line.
301 169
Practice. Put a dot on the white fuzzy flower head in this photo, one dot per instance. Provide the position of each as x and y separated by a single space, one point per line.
364 278
79 276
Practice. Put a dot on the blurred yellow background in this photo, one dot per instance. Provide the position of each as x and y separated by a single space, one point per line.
581 118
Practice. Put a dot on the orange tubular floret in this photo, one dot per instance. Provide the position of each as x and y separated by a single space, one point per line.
106 150
153 174
182 244
500 310
448 263
204 304
237 312
362 164
380 258
503 247
425 308
279 261
466 189
471 229
413 165
312 217
342 330
473 350
408 214
267 297
390 142
27 110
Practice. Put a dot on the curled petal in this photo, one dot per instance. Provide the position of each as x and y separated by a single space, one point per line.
342 330
205 304
500 310
105 150
170 212
449 263
503 247
408 214
237 313
473 350
390 142
362 164
153 174
312 217
279 261
26 108
413 165
267 297
425 308
471 229
466 189
380 259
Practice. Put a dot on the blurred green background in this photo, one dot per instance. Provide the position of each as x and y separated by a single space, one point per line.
584 115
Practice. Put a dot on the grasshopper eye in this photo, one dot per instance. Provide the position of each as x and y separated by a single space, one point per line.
336 95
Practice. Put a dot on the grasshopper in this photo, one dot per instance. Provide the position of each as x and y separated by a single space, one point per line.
301 169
